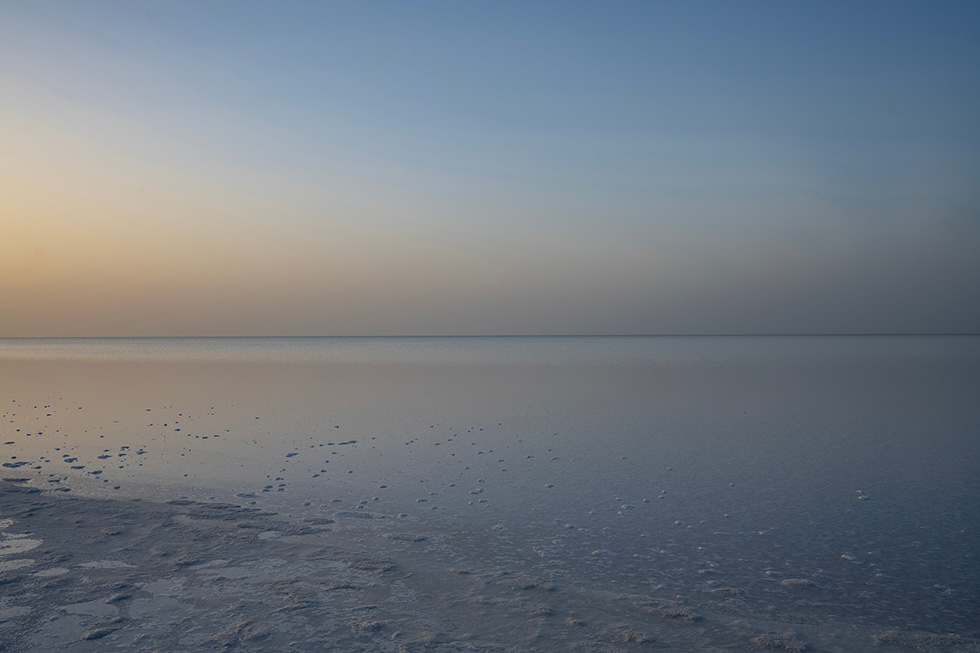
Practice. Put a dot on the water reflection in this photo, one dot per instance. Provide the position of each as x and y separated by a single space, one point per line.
846 466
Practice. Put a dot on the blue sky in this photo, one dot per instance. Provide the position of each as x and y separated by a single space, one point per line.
417 168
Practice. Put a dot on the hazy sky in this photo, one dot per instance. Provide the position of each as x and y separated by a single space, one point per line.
371 168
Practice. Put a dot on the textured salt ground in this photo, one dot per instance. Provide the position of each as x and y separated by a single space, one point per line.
79 574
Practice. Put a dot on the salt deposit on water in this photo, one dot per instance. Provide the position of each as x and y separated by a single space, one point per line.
510 479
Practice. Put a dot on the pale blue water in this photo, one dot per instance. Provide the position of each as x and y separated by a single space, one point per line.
852 462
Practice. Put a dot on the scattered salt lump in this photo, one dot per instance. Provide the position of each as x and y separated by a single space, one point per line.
12 544
10 565
107 564
52 572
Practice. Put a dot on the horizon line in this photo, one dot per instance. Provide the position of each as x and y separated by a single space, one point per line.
514 335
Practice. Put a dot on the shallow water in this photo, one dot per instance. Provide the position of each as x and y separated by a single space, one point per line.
713 468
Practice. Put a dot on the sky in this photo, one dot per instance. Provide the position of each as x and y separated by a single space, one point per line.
242 168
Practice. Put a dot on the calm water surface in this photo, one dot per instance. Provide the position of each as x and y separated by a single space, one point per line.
676 464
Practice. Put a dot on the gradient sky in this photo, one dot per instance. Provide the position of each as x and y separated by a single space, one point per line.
371 168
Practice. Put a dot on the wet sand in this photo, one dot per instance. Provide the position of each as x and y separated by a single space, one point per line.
89 574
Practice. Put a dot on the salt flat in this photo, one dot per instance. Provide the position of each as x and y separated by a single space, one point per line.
111 574
490 494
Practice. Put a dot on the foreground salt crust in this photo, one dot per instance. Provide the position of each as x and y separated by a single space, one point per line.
80 574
